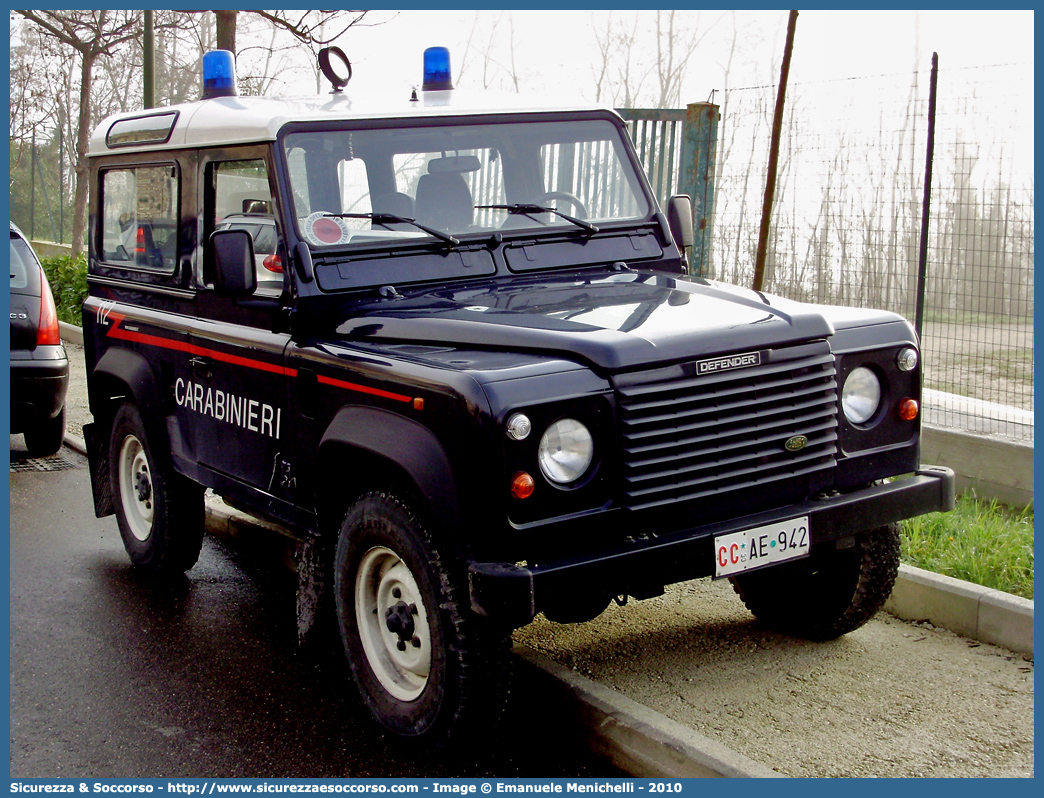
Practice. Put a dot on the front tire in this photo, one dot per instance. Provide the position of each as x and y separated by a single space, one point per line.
828 594
160 513
426 667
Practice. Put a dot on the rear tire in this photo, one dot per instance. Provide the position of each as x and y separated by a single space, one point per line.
159 512
828 594
427 668
45 438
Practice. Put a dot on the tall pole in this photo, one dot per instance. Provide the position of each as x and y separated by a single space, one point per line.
922 261
777 128
61 181
32 191
149 64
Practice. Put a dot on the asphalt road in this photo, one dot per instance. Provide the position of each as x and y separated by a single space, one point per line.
115 676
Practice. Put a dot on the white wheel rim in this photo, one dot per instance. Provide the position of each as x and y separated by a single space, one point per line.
393 624
136 494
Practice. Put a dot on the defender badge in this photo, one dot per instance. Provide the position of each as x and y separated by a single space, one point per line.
725 363
796 444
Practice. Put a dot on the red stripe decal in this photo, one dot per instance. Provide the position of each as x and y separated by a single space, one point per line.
183 346
351 386
192 349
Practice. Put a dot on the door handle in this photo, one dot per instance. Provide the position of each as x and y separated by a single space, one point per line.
202 364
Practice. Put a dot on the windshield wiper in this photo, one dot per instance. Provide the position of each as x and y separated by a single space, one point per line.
384 219
527 209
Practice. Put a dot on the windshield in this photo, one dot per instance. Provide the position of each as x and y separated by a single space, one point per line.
380 183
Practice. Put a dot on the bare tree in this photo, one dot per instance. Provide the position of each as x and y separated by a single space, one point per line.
92 35
626 60
675 45
622 71
58 88
310 27
497 73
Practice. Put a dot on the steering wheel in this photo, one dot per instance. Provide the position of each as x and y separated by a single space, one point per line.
564 196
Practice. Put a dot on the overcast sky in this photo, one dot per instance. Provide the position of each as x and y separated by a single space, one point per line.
555 50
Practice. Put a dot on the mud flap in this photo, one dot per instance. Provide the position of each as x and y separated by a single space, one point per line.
315 614
97 442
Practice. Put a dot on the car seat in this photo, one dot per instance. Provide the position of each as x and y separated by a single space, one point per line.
444 202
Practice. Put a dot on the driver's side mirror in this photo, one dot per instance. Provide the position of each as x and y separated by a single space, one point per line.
679 220
234 271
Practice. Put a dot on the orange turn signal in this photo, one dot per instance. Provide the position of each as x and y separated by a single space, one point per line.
522 485
908 409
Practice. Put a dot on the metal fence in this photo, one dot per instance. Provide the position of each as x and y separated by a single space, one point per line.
658 135
847 220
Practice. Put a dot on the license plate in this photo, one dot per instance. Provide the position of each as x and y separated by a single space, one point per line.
761 546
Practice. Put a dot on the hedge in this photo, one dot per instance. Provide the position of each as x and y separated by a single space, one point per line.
68 278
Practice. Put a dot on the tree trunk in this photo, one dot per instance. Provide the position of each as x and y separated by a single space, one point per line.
226 30
83 131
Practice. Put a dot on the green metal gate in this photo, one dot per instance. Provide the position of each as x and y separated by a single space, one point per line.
677 148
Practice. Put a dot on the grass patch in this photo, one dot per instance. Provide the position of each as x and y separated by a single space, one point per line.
966 317
982 542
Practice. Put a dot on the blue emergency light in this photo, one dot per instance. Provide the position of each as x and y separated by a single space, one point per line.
437 74
219 74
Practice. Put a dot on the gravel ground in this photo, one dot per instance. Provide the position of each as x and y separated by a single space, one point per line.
892 699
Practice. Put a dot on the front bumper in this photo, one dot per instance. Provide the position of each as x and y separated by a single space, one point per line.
513 594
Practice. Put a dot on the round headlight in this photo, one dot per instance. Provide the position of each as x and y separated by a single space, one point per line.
565 451
861 395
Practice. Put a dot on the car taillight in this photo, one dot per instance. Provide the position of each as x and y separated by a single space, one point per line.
273 263
139 245
47 332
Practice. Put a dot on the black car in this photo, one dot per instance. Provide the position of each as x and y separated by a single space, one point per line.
39 365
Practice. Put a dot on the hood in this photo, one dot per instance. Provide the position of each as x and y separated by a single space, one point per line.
613 322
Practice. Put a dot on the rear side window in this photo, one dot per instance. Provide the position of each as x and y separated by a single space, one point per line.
139 217
25 275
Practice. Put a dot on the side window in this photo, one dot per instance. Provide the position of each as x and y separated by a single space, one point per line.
139 217
242 200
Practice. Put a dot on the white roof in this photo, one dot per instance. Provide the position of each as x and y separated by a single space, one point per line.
241 120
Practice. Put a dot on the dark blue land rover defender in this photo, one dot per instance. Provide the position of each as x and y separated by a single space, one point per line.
474 382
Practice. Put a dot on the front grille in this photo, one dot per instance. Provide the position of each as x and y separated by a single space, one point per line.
688 437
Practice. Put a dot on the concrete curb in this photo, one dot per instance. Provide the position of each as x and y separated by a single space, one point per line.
75 443
980 613
636 739
988 464
71 333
